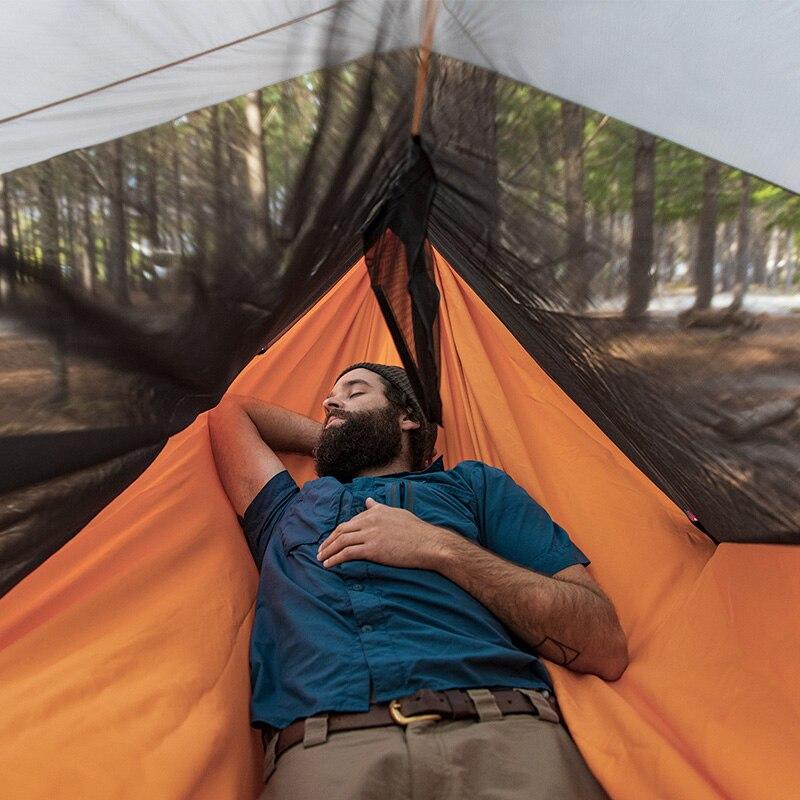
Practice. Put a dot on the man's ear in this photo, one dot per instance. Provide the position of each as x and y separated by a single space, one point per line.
408 424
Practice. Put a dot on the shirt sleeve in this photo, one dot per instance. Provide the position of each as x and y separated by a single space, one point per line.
266 510
515 527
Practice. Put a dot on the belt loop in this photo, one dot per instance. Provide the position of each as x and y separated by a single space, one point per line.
269 756
485 704
315 730
545 710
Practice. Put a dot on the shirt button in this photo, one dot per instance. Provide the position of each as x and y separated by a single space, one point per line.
366 628
356 587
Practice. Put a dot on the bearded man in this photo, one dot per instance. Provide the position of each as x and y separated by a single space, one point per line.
403 607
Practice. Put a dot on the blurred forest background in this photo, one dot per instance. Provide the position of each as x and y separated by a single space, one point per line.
646 222
696 262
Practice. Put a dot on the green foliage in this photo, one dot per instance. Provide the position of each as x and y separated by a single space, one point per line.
679 182
608 164
781 208
529 144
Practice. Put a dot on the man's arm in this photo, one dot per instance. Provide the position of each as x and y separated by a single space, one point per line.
566 618
245 433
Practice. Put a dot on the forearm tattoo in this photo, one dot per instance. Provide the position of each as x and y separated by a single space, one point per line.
565 654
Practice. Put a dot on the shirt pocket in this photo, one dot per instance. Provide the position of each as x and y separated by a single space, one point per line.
446 506
394 494
314 515
402 493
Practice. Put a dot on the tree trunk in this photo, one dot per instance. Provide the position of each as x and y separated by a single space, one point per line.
72 253
287 105
788 281
773 256
706 237
117 260
640 263
48 222
151 161
742 245
8 219
152 191
19 239
218 190
178 199
258 169
35 253
609 288
577 279
670 255
598 251
758 254
659 243
8 275
726 256
89 261
239 215
51 269
105 245
203 237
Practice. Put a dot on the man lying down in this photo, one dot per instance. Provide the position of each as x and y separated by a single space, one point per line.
402 607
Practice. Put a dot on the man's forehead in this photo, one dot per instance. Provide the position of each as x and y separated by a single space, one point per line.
358 376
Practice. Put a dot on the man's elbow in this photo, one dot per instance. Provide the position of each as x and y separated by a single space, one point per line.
226 414
616 657
227 403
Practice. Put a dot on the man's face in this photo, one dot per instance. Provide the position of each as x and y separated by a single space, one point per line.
362 430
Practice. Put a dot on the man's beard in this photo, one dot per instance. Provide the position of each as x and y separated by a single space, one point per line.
364 440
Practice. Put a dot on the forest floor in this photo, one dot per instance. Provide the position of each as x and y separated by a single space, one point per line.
742 386
30 400
732 370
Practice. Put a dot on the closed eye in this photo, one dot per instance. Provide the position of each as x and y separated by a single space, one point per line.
356 394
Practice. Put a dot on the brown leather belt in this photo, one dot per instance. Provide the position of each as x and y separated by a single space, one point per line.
450 704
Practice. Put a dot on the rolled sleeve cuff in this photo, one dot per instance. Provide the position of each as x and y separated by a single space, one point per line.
265 510
564 557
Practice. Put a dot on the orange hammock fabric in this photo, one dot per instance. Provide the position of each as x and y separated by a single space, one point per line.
124 660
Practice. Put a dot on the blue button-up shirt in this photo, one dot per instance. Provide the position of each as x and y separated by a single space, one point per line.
336 639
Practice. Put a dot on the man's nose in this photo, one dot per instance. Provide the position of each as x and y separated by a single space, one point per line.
330 403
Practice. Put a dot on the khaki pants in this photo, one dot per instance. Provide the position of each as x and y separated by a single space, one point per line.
518 757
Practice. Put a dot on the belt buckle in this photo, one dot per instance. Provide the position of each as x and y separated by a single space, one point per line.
401 719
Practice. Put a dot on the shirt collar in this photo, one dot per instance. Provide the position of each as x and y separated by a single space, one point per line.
436 466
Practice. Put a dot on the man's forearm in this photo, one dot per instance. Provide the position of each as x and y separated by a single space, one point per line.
564 622
282 430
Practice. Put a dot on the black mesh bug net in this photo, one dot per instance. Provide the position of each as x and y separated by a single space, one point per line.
140 275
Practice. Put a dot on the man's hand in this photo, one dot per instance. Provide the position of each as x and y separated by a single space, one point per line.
386 535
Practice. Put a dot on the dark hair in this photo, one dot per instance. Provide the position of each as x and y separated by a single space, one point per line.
422 440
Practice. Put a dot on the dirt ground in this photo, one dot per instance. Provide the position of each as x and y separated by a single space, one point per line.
31 396
742 386
731 371
771 348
